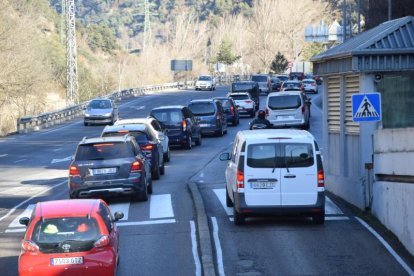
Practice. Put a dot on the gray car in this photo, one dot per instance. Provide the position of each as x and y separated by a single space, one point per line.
101 111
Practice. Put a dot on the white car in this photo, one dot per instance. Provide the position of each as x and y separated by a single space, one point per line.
157 129
309 85
275 172
205 82
244 103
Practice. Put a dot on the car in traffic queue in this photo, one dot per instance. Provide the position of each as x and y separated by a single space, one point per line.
264 82
100 111
70 237
275 172
310 86
296 76
205 82
292 85
146 139
288 109
210 115
250 87
182 126
110 166
244 103
230 109
282 77
276 84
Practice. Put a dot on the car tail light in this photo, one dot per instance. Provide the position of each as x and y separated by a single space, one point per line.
29 246
123 131
136 166
321 178
248 102
147 147
74 171
240 179
267 112
102 241
232 109
303 109
184 123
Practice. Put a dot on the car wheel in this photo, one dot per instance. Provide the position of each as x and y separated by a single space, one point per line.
220 132
239 219
167 155
85 124
189 143
225 132
141 196
238 122
162 169
156 173
252 113
318 218
229 203
72 196
150 186
199 141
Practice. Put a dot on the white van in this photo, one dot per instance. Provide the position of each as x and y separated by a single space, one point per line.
288 109
275 172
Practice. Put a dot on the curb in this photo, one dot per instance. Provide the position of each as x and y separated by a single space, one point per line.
204 237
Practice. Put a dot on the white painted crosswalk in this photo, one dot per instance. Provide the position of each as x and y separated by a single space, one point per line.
160 212
332 211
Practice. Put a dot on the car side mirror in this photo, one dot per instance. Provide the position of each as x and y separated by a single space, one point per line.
225 156
118 216
24 221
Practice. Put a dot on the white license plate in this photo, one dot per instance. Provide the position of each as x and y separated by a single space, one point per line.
104 171
204 125
66 261
263 184
285 117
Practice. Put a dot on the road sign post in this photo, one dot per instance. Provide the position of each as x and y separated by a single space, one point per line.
366 107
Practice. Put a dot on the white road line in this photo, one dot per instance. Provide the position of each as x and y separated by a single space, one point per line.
387 246
26 213
146 222
331 208
217 245
120 207
58 149
221 195
161 206
30 198
68 158
3 155
194 248
21 160
18 230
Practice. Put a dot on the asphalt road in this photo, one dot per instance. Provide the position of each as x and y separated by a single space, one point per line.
159 237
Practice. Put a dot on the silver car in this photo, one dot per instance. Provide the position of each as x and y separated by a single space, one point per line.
101 111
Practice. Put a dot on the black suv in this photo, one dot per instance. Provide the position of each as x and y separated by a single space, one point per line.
110 166
210 114
182 126
147 140
250 87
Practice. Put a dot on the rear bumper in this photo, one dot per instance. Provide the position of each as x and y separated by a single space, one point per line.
178 139
288 123
243 110
241 207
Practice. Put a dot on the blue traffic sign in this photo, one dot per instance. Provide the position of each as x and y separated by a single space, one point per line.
366 107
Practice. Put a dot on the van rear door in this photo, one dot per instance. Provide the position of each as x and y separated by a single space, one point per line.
262 175
299 181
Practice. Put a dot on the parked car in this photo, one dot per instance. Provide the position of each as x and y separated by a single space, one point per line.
275 172
100 111
150 146
292 85
263 80
205 82
296 76
250 87
157 129
230 109
288 109
183 128
309 85
244 103
276 84
110 166
210 114
70 237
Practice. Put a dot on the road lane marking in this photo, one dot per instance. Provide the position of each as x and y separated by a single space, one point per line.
12 210
26 213
18 230
194 247
3 155
146 222
120 207
161 206
61 160
21 160
387 246
219 252
221 194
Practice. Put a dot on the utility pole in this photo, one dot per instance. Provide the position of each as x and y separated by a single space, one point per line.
72 95
147 25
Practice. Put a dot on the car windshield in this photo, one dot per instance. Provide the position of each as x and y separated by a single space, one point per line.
100 105
168 117
67 234
202 108
204 78
284 102
259 78
140 136
239 97
241 86
103 151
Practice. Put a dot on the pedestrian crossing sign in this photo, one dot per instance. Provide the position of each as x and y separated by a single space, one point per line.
366 107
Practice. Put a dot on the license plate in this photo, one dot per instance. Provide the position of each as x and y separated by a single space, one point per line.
104 171
66 261
285 117
263 184
204 125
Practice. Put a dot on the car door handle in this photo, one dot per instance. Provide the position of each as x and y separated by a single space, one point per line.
289 176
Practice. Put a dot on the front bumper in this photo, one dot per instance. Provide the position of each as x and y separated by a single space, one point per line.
97 120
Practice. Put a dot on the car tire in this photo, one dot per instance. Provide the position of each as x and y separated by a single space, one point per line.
167 155
225 132
238 122
318 218
252 113
229 203
189 143
85 124
239 218
162 169
156 173
234 122
141 196
198 142
220 132
72 196
150 186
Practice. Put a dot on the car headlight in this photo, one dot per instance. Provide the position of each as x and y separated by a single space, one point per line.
108 114
87 115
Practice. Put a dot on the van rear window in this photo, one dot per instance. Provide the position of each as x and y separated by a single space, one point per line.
241 87
103 151
284 102
259 78
202 108
280 155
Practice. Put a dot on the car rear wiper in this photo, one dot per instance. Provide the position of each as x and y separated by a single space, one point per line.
97 158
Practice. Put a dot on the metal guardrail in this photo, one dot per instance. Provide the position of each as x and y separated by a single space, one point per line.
33 123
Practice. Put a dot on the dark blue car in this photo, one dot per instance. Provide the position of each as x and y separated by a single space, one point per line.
210 114
230 109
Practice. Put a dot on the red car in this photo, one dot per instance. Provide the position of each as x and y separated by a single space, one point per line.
70 237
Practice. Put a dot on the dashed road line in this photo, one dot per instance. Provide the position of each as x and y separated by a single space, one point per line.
219 252
194 248
146 222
